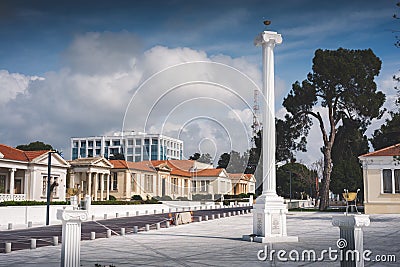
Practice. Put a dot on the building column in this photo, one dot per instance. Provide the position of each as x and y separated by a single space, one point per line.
96 185
89 183
108 187
12 182
72 179
102 186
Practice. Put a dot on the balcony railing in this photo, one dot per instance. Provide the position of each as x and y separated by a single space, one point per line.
16 197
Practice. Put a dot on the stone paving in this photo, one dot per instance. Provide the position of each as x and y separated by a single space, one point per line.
218 243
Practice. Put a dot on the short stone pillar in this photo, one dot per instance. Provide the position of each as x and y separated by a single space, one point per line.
88 203
71 236
167 224
351 238
74 202
135 229
92 235
33 243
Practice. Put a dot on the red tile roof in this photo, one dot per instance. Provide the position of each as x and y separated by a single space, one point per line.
387 151
209 172
142 165
12 153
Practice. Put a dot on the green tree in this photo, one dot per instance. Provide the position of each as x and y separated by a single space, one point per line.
287 132
205 158
342 84
388 134
301 179
224 160
195 156
350 143
35 146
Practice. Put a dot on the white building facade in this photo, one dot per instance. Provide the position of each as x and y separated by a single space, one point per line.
135 146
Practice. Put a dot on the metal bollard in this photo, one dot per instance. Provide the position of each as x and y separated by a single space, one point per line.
127 214
122 231
135 229
92 217
137 213
116 215
92 235
167 224
33 243
105 216
155 211
146 212
55 240
108 233
162 211
147 227
158 226
8 247
170 210
9 226
177 209
29 224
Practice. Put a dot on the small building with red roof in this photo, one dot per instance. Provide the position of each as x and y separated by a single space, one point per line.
381 176
23 175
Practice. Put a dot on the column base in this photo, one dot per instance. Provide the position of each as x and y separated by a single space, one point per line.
269 220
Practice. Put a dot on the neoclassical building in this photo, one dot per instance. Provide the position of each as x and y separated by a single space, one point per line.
91 176
381 175
23 175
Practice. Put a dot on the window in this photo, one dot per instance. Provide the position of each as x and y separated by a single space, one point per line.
138 150
193 186
154 141
83 143
397 181
387 181
107 143
75 144
2 184
98 143
53 185
148 183
137 158
116 143
138 142
130 150
98 151
204 186
130 142
174 188
133 182
90 143
114 182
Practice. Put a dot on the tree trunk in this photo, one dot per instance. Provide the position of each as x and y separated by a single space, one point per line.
326 179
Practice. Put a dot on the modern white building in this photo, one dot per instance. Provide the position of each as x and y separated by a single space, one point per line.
135 146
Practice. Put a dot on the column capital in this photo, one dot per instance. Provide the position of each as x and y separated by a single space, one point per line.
351 220
72 215
13 170
268 37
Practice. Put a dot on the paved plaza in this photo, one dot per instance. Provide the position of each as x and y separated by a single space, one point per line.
219 243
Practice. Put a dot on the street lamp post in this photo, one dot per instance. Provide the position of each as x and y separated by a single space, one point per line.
290 188
48 186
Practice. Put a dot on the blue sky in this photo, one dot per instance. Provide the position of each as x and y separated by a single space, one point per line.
45 45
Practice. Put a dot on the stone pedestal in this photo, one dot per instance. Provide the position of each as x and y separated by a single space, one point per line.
351 238
71 236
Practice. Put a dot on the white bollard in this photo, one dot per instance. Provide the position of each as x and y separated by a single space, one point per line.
137 213
218 216
55 240
147 227
206 218
223 215
212 216
71 236
170 210
167 224
33 243
8 247
92 235
108 233
158 226
122 231
135 229
127 214
105 216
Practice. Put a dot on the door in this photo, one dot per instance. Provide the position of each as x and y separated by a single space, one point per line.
2 184
18 186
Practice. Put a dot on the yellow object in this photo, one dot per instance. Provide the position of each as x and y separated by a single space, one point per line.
349 196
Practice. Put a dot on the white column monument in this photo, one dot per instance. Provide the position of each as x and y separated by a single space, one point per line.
269 211
71 236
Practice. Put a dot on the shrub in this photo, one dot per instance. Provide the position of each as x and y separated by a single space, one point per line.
31 203
112 198
136 197
164 198
199 197
182 198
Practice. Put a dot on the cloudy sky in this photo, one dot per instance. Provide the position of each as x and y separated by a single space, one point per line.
186 69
